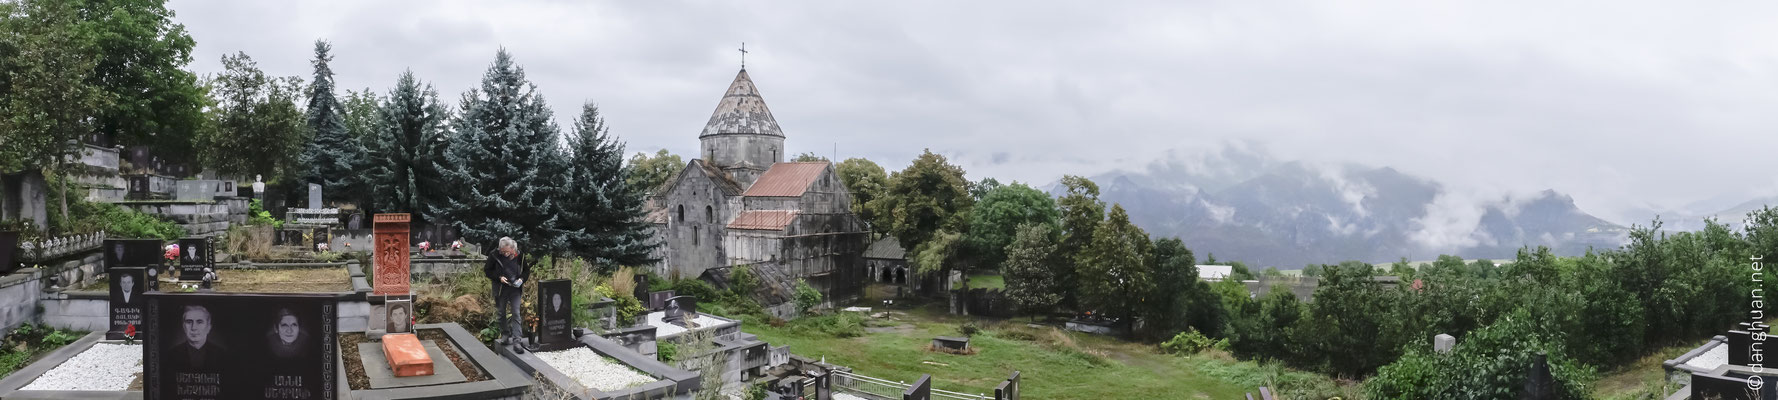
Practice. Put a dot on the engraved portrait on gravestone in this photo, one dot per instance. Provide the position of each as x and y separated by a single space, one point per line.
196 352
556 302
287 340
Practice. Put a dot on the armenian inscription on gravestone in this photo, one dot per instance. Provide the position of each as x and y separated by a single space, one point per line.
127 286
391 254
555 313
239 346
195 254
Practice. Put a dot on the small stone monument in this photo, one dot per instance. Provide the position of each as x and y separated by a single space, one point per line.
555 314
1008 389
195 256
315 196
390 254
258 187
1443 343
658 300
680 310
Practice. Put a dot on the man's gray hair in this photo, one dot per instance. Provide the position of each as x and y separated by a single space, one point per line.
506 243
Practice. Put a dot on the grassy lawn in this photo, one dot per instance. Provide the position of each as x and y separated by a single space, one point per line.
1053 364
987 282
1643 379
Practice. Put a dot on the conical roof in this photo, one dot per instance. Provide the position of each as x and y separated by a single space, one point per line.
742 111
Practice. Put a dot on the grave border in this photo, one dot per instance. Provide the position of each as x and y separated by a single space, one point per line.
507 380
669 381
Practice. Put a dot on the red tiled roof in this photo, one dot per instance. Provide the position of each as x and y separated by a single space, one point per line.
788 179
763 219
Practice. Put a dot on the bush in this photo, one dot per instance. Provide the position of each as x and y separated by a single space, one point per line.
756 391
116 221
1192 342
968 328
258 216
627 309
742 282
667 351
696 288
1491 363
842 325
806 296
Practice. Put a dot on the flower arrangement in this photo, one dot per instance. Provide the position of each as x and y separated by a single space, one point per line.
457 244
172 253
321 247
129 334
425 246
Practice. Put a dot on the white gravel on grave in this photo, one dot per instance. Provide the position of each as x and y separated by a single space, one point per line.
593 370
843 396
105 366
1710 359
663 329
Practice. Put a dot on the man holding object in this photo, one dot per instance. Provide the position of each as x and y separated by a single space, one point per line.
507 270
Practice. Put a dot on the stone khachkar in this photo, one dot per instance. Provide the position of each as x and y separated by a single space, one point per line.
240 346
920 390
390 254
555 315
127 286
196 256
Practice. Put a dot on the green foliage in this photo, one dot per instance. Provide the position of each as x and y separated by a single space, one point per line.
696 288
1179 300
943 251
836 325
867 181
628 307
504 166
997 216
333 157
48 56
1490 363
116 221
1263 329
258 216
808 157
648 174
1081 212
408 138
756 391
28 341
805 296
1350 317
742 282
1313 270
1029 270
666 351
155 100
1115 265
1191 342
327 256
258 129
602 215
969 328
927 197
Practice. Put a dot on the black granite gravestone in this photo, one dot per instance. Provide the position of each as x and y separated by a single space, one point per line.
195 254
1740 343
679 310
658 300
1730 388
320 236
127 286
9 242
240 346
1008 389
824 387
921 389
555 314
132 252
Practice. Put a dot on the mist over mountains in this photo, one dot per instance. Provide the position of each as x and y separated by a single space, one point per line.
1241 204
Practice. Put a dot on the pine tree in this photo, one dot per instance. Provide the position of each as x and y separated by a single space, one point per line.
410 138
598 204
332 158
505 169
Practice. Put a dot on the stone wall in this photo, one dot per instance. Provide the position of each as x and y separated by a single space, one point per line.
79 311
24 196
199 218
744 156
696 220
18 298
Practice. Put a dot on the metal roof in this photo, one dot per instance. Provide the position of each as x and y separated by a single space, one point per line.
742 111
788 179
763 219
887 248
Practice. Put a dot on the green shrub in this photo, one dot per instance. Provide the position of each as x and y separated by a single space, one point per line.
968 328
627 309
666 351
1192 342
1491 363
116 221
259 216
327 256
695 288
841 325
742 281
756 391
806 296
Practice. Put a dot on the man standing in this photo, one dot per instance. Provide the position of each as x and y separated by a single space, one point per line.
507 271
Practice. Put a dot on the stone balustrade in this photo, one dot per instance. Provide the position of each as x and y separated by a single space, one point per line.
58 247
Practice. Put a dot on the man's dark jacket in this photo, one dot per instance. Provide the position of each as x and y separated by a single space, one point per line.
498 265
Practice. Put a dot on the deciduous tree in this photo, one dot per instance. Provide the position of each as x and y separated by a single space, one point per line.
258 129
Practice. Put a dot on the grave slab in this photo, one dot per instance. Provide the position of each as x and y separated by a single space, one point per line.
406 355
376 367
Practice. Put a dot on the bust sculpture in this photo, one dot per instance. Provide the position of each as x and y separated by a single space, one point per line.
258 186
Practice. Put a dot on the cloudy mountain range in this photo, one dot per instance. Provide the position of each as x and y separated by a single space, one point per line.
1242 205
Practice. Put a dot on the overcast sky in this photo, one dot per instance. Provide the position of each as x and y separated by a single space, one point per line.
1624 105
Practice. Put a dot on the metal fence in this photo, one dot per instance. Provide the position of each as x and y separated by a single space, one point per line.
888 389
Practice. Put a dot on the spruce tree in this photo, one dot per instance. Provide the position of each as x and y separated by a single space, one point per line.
504 168
602 210
332 158
410 140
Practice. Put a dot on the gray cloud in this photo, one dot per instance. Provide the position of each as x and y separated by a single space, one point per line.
1627 106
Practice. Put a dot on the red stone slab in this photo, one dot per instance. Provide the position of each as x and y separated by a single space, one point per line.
406 356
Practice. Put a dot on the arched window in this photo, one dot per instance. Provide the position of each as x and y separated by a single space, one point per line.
710 214
681 213
694 236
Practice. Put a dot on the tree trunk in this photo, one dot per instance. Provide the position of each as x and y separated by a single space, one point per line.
65 220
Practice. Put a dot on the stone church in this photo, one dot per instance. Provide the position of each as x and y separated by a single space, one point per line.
739 203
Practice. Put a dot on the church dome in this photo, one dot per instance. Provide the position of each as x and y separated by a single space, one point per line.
742 111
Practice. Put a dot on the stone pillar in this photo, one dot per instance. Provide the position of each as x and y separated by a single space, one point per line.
1443 343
